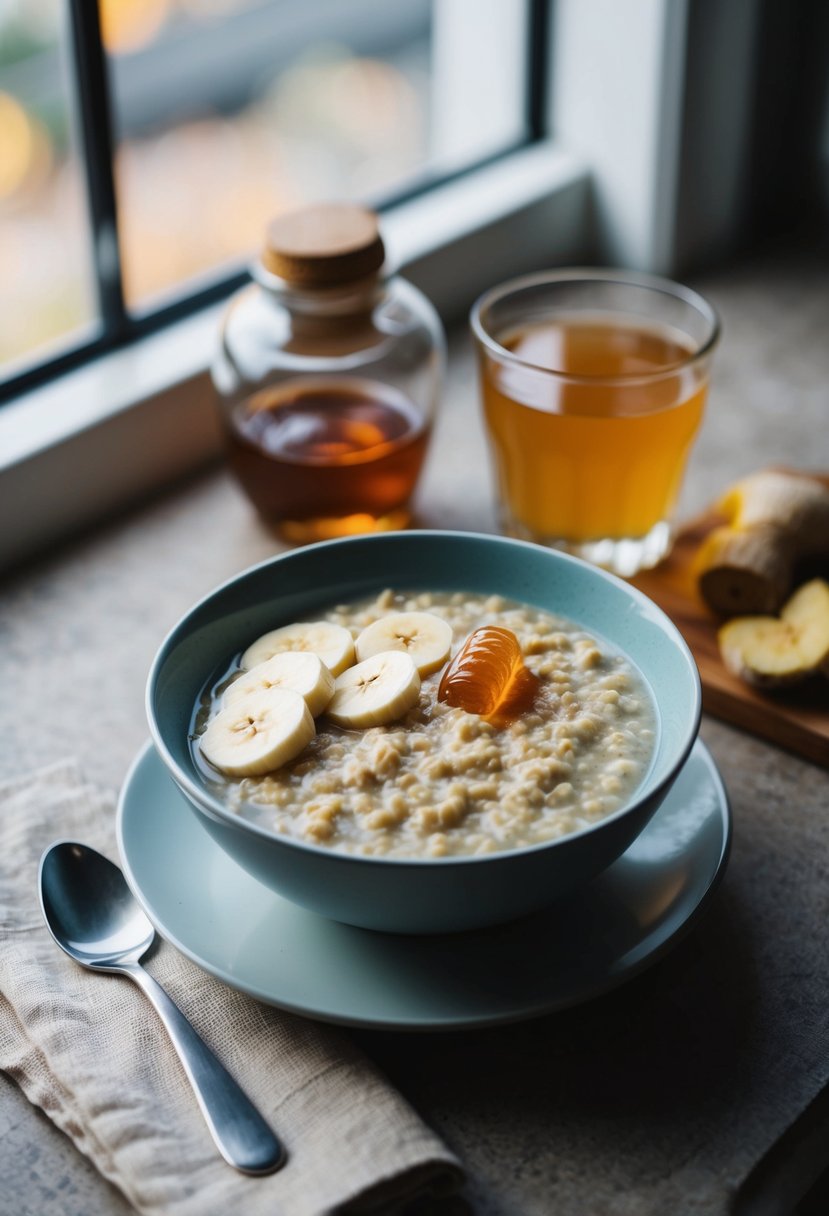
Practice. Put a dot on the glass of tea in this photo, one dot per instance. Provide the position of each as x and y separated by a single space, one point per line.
327 376
593 387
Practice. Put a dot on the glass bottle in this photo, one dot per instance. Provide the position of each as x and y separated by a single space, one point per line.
328 376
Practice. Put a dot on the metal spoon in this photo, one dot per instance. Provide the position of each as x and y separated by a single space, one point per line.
92 915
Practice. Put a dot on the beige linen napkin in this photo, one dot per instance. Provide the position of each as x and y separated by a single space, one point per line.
90 1051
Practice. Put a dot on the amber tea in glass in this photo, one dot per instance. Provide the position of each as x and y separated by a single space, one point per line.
593 390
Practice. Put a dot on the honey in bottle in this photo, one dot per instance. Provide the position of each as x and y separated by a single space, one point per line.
328 377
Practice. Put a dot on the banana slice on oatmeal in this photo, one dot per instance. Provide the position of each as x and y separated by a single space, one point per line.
331 643
379 690
425 637
258 733
299 670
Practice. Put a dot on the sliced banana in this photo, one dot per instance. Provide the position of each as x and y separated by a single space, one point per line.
376 691
258 733
426 638
300 670
331 643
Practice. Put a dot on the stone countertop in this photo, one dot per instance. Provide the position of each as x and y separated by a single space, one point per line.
628 1105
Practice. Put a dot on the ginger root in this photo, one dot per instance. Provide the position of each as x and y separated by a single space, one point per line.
769 651
775 520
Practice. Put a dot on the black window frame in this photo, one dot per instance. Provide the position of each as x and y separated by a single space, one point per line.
116 326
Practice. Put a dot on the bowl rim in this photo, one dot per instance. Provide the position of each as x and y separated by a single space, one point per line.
211 805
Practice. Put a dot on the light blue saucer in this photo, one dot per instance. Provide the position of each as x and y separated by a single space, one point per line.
240 931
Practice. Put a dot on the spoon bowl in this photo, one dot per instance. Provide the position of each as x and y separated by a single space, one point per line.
89 909
95 919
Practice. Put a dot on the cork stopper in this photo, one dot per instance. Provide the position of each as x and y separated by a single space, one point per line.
324 245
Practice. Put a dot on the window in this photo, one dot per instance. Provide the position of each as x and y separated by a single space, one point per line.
144 144
47 295
527 133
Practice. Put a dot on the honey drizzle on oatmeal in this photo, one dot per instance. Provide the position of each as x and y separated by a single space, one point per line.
488 677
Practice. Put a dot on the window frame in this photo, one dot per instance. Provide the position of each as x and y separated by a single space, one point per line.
115 326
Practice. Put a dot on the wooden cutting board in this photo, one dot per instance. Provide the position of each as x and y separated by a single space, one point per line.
797 719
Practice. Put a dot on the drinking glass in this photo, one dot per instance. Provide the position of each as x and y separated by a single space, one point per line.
593 388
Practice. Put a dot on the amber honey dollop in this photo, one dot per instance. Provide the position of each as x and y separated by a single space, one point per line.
488 677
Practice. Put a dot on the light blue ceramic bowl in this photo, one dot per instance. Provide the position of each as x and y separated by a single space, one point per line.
421 896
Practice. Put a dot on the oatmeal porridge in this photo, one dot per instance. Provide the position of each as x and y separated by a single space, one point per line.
395 765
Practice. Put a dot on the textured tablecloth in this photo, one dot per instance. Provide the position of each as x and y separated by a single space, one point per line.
90 1051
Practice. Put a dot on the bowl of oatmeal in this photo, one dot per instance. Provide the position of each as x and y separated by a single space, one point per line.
424 732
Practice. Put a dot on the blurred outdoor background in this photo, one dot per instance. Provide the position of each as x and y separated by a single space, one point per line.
225 112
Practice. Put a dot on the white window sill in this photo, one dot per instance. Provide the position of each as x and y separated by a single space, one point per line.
132 421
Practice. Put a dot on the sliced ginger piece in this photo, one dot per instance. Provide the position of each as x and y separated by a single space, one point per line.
775 519
808 610
771 652
745 571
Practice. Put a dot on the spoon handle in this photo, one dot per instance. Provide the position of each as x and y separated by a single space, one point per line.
241 1134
